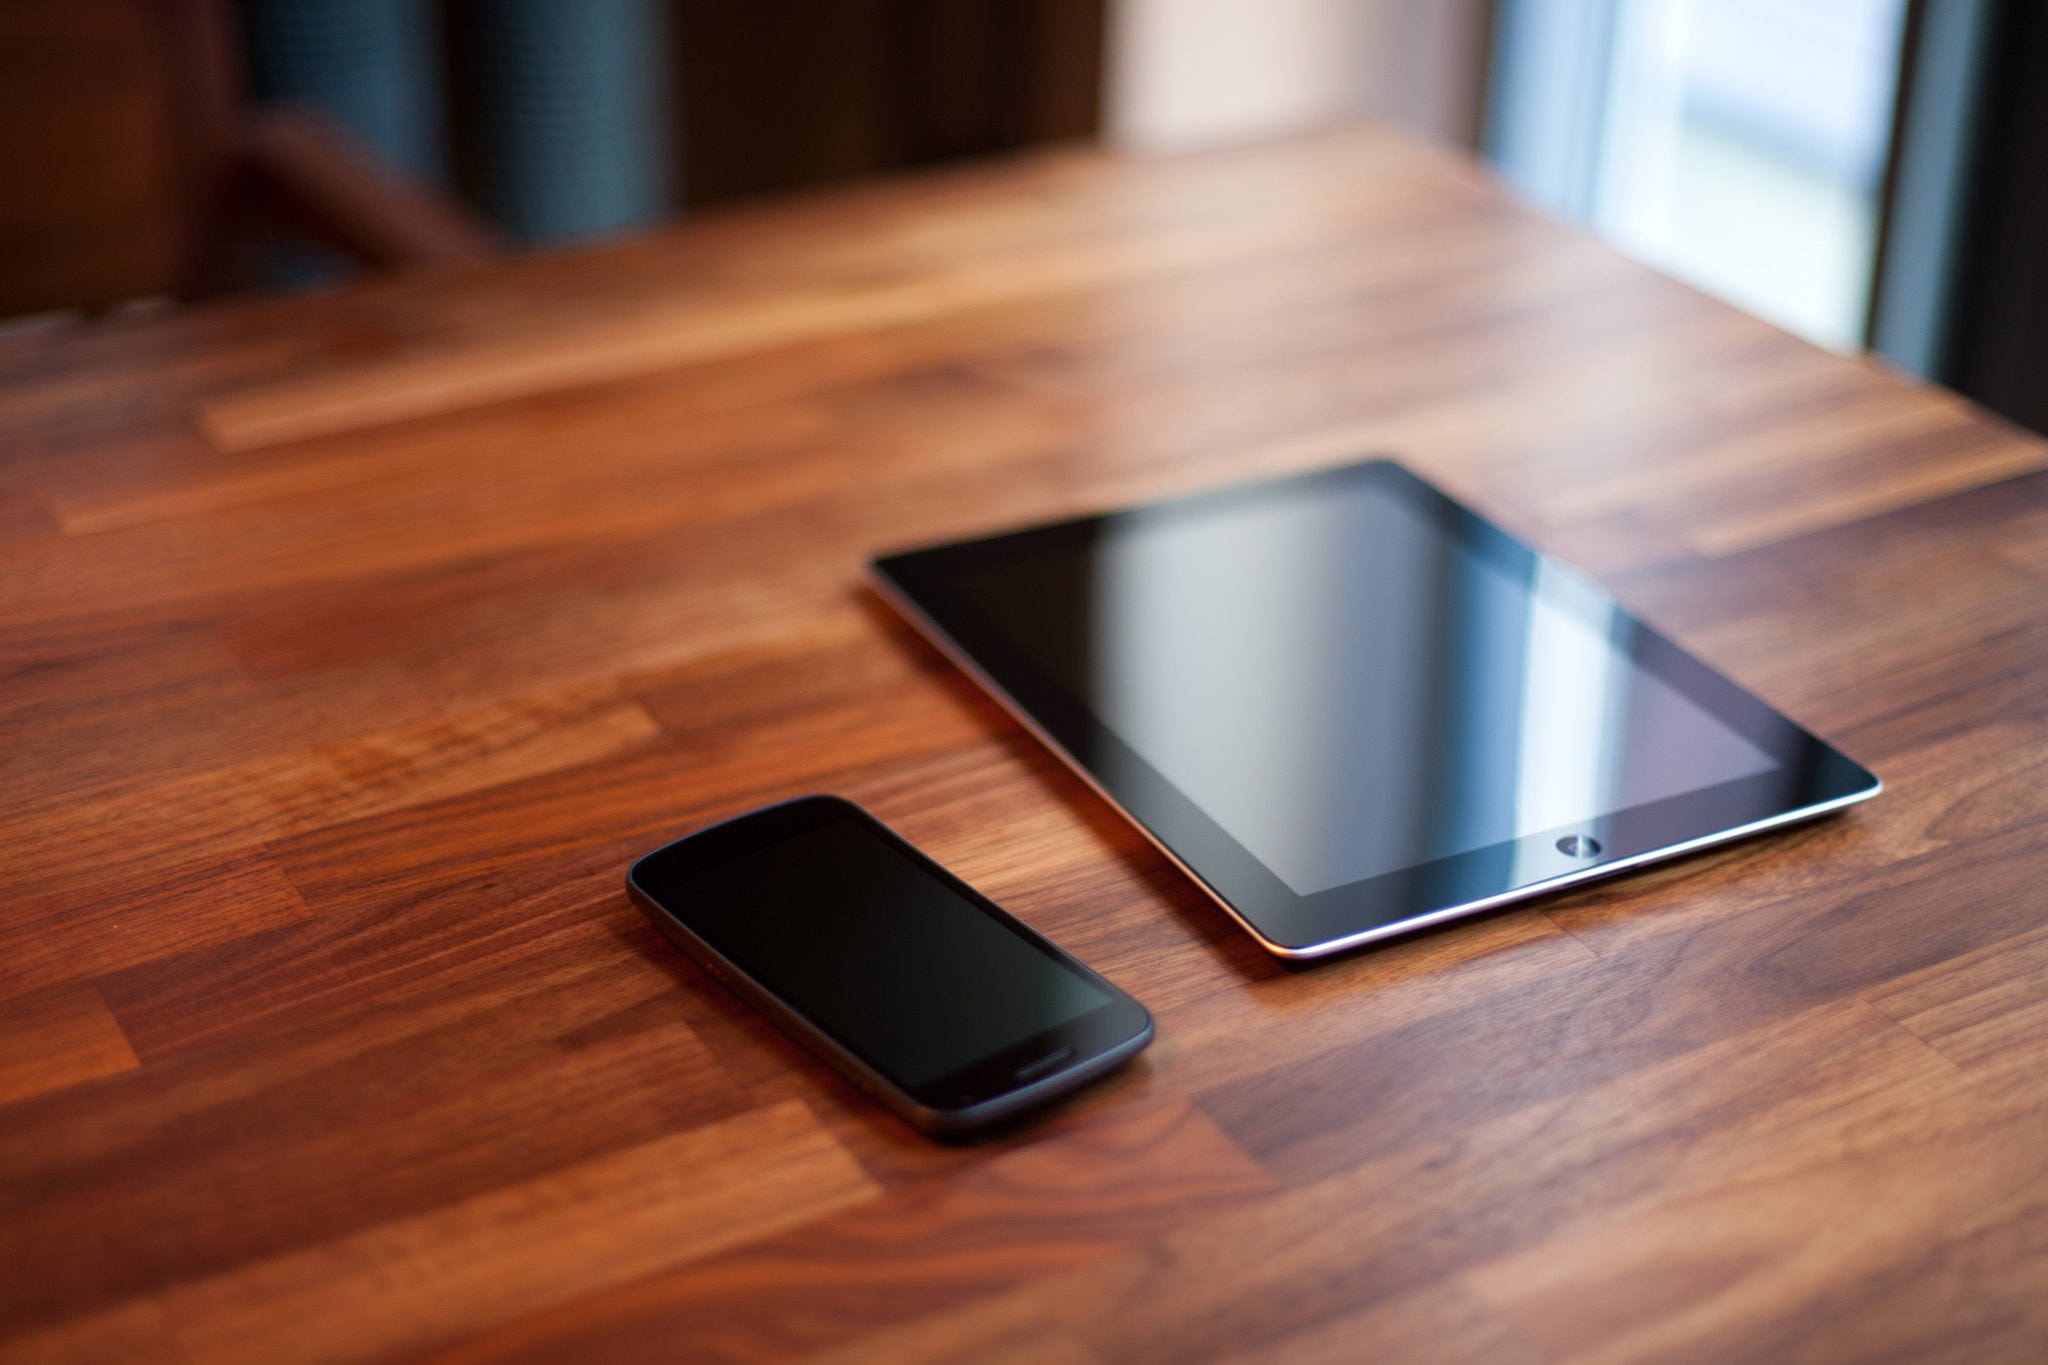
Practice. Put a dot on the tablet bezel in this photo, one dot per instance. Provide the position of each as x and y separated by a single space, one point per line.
1812 778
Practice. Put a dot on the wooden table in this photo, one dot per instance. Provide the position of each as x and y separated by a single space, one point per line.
354 645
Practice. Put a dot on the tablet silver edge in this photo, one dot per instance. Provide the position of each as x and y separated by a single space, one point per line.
932 631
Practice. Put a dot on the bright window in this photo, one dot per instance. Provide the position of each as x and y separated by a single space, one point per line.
1737 144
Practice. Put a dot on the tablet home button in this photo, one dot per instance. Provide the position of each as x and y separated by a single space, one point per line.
1579 846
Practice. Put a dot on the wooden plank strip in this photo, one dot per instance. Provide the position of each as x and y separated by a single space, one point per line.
500 889
1434 1323
659 789
99 926
751 286
1593 425
1423 257
486 444
996 1324
409 1284
708 327
135 1334
342 1068
1985 1011
1909 625
57 1039
314 1133
380 1135
1059 1201
358 956
2023 542
77 745
1288 1274
1750 486
231 810
1902 467
1924 1242
1437 1322
706 506
1789 951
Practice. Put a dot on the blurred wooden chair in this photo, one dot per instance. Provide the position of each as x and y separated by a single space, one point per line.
131 165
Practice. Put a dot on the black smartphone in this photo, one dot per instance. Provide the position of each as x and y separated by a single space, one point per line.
924 992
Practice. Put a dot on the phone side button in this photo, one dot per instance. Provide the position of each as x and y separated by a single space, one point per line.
1033 1070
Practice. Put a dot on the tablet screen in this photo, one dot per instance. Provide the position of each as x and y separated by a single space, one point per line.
1347 688
1344 701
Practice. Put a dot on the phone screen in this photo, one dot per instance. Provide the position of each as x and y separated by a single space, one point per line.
898 966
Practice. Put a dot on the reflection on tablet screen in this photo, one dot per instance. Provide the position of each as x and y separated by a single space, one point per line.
1339 734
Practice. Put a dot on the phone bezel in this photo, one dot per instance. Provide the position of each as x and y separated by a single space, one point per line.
972 1097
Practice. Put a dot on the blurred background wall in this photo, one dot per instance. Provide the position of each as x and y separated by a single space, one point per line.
141 133
1862 172
1185 74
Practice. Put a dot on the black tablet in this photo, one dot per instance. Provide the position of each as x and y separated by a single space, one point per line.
1350 707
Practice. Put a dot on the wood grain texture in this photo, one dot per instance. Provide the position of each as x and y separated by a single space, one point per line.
57 1039
1983 1011
352 646
138 1332
420 1279
1069 1201
108 919
229 811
